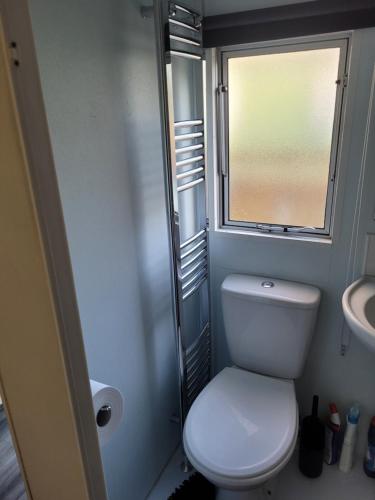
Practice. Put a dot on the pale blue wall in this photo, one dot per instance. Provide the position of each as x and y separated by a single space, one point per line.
328 266
99 75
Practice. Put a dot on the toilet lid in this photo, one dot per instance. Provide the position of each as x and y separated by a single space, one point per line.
242 424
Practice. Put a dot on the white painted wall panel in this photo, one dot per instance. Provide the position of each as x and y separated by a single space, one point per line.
99 76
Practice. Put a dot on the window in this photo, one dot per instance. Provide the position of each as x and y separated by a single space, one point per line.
280 116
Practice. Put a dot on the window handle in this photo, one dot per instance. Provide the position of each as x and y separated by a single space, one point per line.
222 90
268 228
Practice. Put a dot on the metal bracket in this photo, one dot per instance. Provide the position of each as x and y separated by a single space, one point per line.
14 54
197 18
222 88
344 80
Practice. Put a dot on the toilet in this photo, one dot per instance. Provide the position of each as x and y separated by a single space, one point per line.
242 428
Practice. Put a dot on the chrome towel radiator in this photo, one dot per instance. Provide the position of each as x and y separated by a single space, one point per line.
183 79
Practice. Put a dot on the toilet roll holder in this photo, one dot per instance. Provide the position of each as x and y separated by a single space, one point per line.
103 415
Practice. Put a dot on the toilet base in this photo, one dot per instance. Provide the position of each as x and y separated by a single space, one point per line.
256 494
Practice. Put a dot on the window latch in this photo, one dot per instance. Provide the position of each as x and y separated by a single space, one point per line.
268 228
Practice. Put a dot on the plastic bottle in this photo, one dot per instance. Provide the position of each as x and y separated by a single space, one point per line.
347 453
369 462
333 436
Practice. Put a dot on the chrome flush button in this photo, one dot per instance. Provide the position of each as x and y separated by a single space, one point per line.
268 284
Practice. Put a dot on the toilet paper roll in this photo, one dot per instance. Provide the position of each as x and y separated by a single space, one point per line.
108 409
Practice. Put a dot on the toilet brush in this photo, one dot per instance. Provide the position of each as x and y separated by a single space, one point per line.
311 451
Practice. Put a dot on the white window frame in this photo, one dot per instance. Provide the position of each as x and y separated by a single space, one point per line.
225 53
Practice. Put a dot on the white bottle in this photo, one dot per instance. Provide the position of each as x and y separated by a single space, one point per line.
348 447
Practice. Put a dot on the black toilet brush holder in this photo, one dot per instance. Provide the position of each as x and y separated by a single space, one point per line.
311 450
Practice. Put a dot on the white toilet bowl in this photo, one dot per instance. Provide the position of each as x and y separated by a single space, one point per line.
241 431
242 428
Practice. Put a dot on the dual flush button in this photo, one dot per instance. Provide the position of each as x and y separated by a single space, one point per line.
268 284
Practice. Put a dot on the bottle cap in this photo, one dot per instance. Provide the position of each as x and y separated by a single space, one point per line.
334 417
333 408
353 415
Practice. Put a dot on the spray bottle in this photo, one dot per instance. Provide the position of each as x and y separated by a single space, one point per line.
348 447
333 436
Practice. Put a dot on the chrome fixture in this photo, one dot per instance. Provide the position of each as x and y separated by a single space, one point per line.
268 284
180 30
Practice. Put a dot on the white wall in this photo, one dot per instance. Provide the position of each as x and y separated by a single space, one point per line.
334 377
99 75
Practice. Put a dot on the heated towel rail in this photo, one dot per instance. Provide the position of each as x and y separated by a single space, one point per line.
184 106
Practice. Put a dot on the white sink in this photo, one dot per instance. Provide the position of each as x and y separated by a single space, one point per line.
358 303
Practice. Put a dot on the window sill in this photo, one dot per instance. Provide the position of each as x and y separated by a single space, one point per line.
248 233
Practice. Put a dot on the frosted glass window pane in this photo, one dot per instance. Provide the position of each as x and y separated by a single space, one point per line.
281 113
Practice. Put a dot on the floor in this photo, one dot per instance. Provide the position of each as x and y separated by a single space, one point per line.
332 484
171 477
289 485
11 482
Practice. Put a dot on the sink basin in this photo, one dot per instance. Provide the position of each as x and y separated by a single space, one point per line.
358 303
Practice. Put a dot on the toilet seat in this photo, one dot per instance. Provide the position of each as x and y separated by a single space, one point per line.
242 428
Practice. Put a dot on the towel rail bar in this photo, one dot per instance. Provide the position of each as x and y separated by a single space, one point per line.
188 123
184 25
187 137
193 238
188 161
193 249
182 39
193 259
187 149
187 55
189 173
189 185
